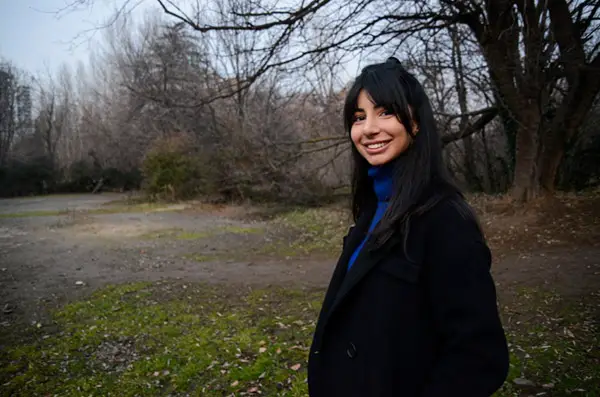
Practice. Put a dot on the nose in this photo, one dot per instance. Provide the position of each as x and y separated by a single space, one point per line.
370 126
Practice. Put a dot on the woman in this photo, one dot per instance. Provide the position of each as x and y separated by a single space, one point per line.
411 307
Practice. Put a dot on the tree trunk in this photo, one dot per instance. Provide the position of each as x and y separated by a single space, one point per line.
470 166
526 180
552 155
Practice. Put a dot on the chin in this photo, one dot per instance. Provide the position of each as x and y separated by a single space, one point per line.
375 161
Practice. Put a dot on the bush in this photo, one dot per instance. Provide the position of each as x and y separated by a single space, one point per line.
81 177
33 177
170 171
116 179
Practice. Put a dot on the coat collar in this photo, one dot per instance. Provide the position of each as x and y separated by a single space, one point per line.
343 281
366 260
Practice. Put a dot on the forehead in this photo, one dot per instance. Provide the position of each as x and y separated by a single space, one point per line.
364 100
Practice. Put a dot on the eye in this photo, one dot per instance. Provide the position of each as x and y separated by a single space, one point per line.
358 117
386 112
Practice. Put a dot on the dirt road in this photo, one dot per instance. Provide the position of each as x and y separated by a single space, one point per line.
48 258
70 245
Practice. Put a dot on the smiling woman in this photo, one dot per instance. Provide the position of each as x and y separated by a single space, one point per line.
377 133
411 307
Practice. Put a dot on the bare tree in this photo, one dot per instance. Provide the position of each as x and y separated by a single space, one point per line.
15 108
543 57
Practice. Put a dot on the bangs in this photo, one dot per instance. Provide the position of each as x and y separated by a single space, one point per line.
387 88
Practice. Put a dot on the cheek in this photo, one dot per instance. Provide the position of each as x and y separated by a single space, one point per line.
355 136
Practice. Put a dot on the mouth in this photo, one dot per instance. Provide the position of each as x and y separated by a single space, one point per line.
376 147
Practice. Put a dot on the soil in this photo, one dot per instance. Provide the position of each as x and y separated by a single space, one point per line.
47 260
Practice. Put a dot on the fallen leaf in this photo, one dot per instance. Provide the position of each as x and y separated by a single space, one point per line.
262 350
235 383
523 382
295 367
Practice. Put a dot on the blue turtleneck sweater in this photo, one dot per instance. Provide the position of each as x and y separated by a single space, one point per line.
382 184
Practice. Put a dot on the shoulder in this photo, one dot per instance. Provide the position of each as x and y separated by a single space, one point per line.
453 238
452 221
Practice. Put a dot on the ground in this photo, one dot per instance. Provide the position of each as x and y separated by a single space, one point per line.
101 291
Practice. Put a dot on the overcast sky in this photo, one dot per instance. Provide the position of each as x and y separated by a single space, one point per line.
35 38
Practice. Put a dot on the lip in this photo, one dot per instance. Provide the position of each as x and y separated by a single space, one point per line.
378 150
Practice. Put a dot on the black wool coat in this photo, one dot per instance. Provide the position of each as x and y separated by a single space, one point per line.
424 324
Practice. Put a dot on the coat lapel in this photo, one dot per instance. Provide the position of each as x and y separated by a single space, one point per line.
344 281
365 261
351 241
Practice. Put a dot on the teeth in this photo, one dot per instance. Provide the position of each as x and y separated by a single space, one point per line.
376 145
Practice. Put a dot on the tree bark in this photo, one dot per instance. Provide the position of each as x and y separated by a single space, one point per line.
567 120
526 178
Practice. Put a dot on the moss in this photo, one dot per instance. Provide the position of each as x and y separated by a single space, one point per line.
28 214
144 207
132 208
233 229
550 343
180 234
166 339
170 338
309 231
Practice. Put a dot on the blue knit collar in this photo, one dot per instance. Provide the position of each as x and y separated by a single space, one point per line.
382 176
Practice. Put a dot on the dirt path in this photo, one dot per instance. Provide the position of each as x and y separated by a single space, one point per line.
49 259
45 260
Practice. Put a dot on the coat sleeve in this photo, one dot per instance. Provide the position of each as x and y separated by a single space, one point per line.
472 356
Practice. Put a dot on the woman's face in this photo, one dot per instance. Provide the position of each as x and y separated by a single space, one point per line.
377 134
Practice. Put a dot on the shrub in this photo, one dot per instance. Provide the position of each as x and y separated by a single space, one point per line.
170 171
19 178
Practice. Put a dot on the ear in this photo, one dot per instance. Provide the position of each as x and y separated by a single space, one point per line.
415 128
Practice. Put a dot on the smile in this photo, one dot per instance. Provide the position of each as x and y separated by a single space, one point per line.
376 147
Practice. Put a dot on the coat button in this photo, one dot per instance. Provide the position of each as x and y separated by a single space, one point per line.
351 350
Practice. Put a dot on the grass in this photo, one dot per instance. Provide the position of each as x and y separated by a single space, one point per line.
144 207
139 207
313 231
172 338
27 214
553 343
167 338
180 234
175 233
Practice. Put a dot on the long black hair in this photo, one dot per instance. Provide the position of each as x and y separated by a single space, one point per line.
420 177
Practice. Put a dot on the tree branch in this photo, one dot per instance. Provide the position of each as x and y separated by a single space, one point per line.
471 128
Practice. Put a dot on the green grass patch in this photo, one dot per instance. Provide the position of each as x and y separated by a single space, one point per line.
308 231
168 339
145 207
131 208
180 234
28 214
553 343
233 229
171 338
177 234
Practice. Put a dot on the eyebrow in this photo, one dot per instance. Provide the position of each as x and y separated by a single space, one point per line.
374 105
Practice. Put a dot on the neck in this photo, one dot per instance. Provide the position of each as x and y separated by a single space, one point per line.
382 176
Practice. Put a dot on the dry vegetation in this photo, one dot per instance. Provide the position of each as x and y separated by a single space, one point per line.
178 338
